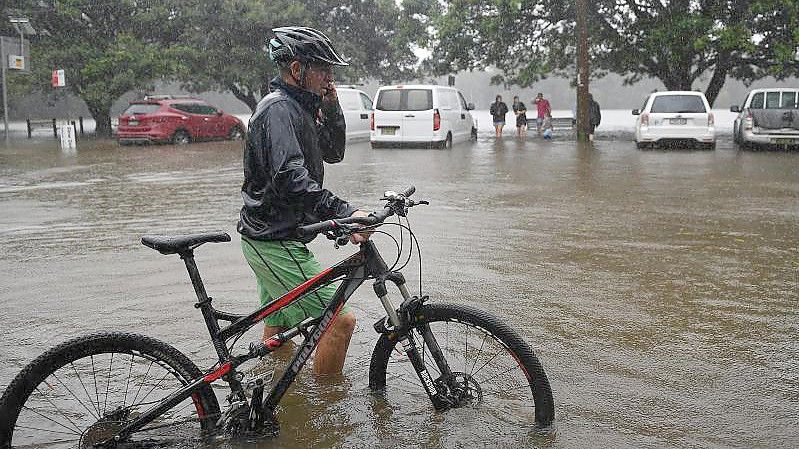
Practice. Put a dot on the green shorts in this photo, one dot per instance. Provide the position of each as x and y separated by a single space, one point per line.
279 266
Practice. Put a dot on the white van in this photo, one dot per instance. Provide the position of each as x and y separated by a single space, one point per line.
357 108
421 115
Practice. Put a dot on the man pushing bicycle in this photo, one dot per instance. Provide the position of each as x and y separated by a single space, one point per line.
294 130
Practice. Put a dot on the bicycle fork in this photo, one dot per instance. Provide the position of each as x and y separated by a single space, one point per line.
402 324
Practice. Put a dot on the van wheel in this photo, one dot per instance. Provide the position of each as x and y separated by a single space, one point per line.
474 134
448 142
181 137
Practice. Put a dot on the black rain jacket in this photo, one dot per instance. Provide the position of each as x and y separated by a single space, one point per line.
287 141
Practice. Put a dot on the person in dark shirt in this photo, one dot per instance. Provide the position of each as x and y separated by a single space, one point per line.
521 117
498 110
594 116
293 131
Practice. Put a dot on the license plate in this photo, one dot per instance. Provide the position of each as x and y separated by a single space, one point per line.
783 141
678 121
389 131
133 122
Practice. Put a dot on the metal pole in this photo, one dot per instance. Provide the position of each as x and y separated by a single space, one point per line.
3 63
582 70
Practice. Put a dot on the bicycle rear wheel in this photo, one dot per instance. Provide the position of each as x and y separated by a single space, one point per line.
84 390
493 370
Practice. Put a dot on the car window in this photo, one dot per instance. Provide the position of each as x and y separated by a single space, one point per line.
772 100
419 99
463 101
452 99
788 100
204 109
389 100
678 104
405 100
184 107
366 101
757 101
140 109
349 100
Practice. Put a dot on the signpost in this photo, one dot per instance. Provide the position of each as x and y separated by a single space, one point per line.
14 55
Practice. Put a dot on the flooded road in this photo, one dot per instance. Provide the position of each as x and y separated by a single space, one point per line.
658 288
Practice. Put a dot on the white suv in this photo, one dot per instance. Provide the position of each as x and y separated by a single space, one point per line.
675 117
421 115
357 108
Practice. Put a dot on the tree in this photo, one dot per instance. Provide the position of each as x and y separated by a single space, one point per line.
227 41
677 42
106 47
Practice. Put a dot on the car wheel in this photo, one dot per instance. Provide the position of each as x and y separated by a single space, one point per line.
474 134
448 142
640 145
236 133
181 137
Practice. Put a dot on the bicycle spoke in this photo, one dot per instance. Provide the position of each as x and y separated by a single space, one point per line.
108 383
96 390
479 351
76 429
91 412
141 384
88 395
127 384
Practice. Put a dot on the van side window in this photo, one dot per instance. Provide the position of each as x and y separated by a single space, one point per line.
772 100
757 101
788 100
366 102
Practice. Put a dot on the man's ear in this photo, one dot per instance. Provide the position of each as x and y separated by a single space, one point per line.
295 67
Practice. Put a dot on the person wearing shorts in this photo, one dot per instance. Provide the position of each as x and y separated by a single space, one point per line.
498 110
521 117
543 107
293 131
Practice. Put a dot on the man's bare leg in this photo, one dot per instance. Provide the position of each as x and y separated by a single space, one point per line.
331 350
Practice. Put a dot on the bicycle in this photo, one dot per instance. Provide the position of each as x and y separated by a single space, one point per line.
122 389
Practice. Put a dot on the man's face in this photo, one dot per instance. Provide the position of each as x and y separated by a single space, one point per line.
318 78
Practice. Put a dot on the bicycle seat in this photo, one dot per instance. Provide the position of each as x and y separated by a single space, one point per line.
178 244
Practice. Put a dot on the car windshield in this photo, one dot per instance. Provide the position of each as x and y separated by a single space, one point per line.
141 108
405 100
678 104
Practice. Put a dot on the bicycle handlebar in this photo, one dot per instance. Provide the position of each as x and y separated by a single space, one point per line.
374 218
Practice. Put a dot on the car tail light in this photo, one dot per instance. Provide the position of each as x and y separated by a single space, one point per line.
372 122
748 120
710 119
644 119
436 120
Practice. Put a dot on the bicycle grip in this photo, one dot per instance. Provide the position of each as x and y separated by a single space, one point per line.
316 228
409 191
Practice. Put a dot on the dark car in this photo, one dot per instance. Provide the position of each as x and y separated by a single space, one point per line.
167 119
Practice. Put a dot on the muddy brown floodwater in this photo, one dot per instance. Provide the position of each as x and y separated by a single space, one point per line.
658 288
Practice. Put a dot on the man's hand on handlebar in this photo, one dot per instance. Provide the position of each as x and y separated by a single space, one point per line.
361 236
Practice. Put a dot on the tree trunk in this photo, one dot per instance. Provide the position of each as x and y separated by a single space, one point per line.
102 118
246 98
718 79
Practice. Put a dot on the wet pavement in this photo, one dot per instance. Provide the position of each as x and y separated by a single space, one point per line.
659 288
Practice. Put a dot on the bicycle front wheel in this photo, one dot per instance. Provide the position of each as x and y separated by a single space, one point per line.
492 370
83 391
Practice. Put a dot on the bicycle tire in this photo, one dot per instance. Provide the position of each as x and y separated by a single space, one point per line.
491 334
53 398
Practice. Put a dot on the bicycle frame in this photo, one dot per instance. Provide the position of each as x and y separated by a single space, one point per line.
365 264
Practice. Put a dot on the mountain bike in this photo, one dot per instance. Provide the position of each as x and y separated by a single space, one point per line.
125 390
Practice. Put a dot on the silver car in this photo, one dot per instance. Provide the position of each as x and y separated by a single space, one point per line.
767 117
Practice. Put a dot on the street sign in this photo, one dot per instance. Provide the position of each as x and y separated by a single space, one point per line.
16 62
59 79
18 59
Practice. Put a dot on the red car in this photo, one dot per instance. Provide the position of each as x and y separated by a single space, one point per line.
175 120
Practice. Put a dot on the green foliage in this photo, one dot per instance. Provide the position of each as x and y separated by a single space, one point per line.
675 41
226 43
